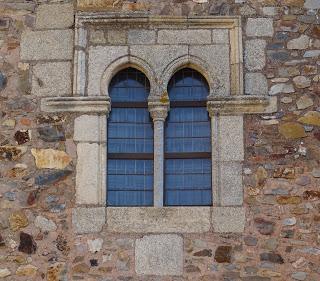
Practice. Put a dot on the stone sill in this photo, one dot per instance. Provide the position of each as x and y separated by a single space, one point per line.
159 220
233 105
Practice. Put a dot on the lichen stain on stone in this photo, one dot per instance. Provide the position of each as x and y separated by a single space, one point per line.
164 98
51 159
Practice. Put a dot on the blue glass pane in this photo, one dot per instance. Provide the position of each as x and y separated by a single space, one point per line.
130 182
188 85
188 198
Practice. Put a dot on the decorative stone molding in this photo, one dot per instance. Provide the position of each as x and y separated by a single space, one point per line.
159 110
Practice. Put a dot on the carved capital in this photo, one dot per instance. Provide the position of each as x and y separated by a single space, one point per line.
158 110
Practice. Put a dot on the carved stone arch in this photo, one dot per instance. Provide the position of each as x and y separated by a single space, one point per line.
192 62
124 62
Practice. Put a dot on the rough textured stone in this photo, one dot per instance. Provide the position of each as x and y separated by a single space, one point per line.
4 272
255 58
311 54
88 220
259 27
47 45
159 255
228 219
220 36
301 82
271 257
51 79
194 219
51 159
27 270
311 118
312 4
12 153
90 128
223 254
292 130
18 220
195 36
304 102
95 245
264 227
299 43
281 88
51 133
54 16
256 84
45 224
27 244
138 36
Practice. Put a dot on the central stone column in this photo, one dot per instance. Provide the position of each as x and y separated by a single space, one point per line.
159 113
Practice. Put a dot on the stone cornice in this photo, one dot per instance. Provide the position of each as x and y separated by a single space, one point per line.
235 105
98 104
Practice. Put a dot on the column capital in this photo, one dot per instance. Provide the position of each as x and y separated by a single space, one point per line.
158 110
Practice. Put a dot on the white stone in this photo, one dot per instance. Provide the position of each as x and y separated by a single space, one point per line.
220 36
281 88
99 58
88 220
286 100
312 4
158 220
260 27
231 138
88 185
228 219
159 255
4 272
45 224
231 189
256 84
95 245
54 16
90 128
255 58
184 36
51 79
289 221
47 45
299 43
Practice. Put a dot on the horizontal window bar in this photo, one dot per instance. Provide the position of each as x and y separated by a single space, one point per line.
130 104
191 155
134 156
188 104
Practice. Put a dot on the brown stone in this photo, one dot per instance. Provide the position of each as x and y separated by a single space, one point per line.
22 136
293 3
264 227
316 31
292 130
311 194
27 270
261 176
54 271
223 254
271 257
12 153
27 244
18 220
2 242
50 158
311 118
284 200
203 253
81 268
281 172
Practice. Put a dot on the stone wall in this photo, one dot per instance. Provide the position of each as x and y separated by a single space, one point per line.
38 155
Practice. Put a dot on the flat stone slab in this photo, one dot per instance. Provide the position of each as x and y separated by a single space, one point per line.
158 220
159 255
228 219
88 220
47 45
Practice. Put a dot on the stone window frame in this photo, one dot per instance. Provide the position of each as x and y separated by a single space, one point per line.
227 213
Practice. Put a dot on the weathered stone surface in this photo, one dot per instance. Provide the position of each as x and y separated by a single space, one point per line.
195 36
12 153
22 136
311 118
223 254
311 54
284 200
47 45
304 102
255 58
259 27
281 88
27 270
292 130
271 257
256 84
51 133
45 224
220 36
51 159
51 177
51 79
228 219
95 245
4 272
88 220
90 128
312 4
54 16
299 43
56 272
27 244
264 227
159 255
157 220
311 194
18 220
301 82
139 36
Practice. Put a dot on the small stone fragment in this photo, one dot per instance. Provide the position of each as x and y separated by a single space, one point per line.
271 257
316 172
18 220
284 200
44 224
51 159
51 133
12 153
264 227
223 254
95 245
289 221
4 272
250 241
311 118
27 270
22 136
81 268
203 253
299 275
52 177
281 88
299 43
303 180
304 102
286 100
3 81
292 130
301 82
27 244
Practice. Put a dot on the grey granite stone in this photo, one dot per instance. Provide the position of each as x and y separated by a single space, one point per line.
51 79
189 36
259 27
141 36
255 57
228 219
90 128
220 36
256 84
47 45
159 255
88 220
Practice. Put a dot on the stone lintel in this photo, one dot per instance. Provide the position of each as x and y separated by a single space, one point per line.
234 105
95 104
158 220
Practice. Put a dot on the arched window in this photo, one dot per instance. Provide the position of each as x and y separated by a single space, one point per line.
188 142
130 141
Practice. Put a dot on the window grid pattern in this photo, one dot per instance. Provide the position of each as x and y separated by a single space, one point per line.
188 142
130 141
